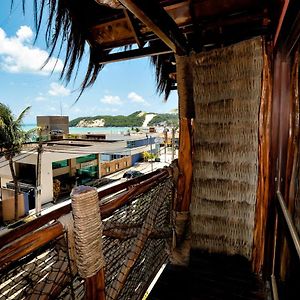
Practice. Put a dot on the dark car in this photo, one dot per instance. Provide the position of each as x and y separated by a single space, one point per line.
132 174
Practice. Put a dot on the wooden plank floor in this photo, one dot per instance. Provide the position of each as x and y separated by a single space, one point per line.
209 276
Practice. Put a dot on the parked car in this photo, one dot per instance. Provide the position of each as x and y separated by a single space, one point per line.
132 174
56 132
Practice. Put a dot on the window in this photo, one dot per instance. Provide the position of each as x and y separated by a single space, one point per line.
131 144
105 157
107 169
60 164
86 158
125 163
117 166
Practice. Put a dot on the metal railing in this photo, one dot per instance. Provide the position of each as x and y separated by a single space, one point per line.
289 222
282 209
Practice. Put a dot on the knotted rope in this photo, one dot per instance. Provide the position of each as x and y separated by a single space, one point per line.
87 231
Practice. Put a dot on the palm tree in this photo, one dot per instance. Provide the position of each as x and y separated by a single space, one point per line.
12 137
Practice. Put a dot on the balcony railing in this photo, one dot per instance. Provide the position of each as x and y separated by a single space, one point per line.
40 258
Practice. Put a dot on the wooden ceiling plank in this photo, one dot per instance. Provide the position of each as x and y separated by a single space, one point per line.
158 20
133 54
134 29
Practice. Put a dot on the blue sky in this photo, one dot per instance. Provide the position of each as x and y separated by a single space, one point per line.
121 88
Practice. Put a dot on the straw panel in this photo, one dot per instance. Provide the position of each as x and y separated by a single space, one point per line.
227 90
185 87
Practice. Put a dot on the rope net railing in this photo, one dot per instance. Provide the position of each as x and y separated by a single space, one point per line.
135 244
44 273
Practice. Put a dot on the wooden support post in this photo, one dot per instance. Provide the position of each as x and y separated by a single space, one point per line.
185 165
263 188
95 286
88 241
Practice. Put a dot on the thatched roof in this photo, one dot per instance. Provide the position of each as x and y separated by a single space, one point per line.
183 26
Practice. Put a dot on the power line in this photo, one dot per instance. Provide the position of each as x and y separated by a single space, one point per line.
18 158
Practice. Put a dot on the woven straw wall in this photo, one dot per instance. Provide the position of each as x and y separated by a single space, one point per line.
227 90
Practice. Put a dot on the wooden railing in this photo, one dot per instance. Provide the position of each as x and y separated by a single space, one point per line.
18 245
55 214
283 220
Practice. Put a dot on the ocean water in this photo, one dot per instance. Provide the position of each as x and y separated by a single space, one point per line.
107 130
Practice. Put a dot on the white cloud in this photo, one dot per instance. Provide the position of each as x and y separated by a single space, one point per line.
39 98
57 89
111 100
24 33
134 97
17 55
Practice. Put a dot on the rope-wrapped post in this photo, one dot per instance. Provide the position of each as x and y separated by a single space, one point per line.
88 240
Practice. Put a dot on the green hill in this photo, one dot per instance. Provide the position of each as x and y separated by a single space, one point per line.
135 119
164 120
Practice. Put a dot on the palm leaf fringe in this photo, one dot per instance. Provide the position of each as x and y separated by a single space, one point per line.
65 26
69 22
163 67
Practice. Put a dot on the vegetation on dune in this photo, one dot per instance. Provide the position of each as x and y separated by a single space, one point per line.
135 119
164 119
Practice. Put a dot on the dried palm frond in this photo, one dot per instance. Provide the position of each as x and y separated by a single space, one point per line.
68 30
68 24
163 67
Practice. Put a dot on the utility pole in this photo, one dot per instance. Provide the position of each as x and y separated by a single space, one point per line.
173 142
151 154
38 202
166 142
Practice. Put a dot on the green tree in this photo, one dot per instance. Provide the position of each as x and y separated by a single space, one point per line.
12 137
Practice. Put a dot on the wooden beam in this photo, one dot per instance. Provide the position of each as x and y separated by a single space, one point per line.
118 33
288 29
281 18
134 29
29 243
133 54
158 20
107 209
